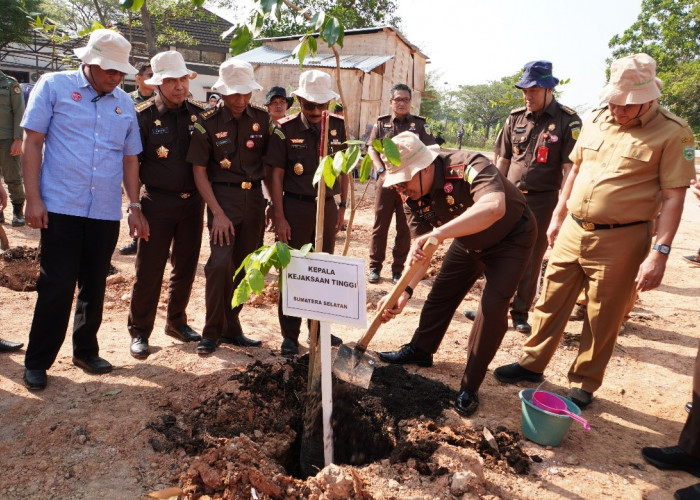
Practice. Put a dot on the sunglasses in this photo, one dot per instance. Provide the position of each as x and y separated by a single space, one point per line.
310 106
403 100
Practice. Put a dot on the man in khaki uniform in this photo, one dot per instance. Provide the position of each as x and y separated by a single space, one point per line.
11 111
632 160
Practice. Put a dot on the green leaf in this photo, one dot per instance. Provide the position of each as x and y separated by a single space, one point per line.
377 145
240 40
256 280
341 35
269 6
283 254
353 155
305 249
318 173
338 163
137 5
126 4
241 294
317 21
355 142
301 50
198 3
257 24
243 264
332 31
365 169
328 172
391 151
313 47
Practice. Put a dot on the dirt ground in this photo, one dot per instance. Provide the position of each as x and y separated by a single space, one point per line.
229 425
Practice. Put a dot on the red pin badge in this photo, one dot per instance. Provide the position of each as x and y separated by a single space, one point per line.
250 144
76 96
448 187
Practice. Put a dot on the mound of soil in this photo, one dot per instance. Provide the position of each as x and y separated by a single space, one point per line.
19 269
248 436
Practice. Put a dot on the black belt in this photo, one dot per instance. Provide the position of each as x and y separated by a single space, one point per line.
303 197
241 185
591 226
180 194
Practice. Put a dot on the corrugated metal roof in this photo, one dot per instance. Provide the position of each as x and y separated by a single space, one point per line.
266 55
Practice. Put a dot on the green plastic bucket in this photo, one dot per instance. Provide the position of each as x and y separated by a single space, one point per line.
541 426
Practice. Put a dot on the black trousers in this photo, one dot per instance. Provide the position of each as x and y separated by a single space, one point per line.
502 265
171 220
387 202
73 250
690 436
246 210
542 206
301 216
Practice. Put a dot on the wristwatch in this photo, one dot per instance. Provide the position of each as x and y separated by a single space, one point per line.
664 249
133 205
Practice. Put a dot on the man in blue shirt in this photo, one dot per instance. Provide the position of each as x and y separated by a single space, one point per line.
81 139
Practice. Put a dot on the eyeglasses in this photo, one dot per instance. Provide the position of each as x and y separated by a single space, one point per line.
310 106
402 100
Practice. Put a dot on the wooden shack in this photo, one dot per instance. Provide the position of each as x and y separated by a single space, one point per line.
372 60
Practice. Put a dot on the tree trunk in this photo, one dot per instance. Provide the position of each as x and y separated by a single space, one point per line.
148 30
103 21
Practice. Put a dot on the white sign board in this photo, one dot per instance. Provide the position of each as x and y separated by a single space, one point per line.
325 287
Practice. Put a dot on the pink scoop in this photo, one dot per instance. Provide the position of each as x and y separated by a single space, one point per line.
554 404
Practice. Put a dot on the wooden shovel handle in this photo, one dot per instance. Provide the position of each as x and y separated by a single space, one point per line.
428 247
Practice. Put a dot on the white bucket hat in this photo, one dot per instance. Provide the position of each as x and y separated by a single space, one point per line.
236 77
169 64
315 86
632 81
415 156
108 50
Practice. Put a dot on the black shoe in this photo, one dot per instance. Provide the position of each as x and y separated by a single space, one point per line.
7 346
183 333
395 278
335 341
206 346
408 354
469 314
671 458
34 380
522 326
689 406
512 373
2 217
290 347
241 341
93 364
580 397
139 348
129 249
111 270
373 276
689 493
18 220
467 402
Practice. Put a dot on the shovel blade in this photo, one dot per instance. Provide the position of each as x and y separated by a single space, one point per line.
353 366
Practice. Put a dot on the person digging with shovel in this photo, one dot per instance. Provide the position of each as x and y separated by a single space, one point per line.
494 237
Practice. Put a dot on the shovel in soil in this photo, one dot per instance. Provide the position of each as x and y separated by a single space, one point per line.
352 364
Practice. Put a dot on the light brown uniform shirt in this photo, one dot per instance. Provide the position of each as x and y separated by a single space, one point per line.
622 169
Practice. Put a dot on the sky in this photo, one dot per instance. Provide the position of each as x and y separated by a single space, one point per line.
471 42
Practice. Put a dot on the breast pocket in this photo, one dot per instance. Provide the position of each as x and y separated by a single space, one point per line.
519 144
635 156
118 128
590 149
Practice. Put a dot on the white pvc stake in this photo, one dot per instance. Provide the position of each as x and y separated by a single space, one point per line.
326 390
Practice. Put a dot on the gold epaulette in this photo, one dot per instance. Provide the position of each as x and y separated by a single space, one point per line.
383 117
567 109
210 112
455 171
287 118
258 107
518 110
420 117
198 104
339 117
144 105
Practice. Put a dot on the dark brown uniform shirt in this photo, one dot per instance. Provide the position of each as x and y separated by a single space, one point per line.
165 135
390 126
556 128
295 148
233 150
460 179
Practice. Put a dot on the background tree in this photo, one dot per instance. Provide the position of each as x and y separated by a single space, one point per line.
669 31
14 24
78 15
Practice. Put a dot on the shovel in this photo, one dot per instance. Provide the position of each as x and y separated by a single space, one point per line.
351 364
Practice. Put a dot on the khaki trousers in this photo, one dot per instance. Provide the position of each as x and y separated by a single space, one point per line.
605 263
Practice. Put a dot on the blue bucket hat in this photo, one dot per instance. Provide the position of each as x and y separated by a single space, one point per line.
537 74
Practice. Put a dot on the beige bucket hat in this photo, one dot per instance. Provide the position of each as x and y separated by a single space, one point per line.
415 156
315 86
108 50
632 81
236 77
169 64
